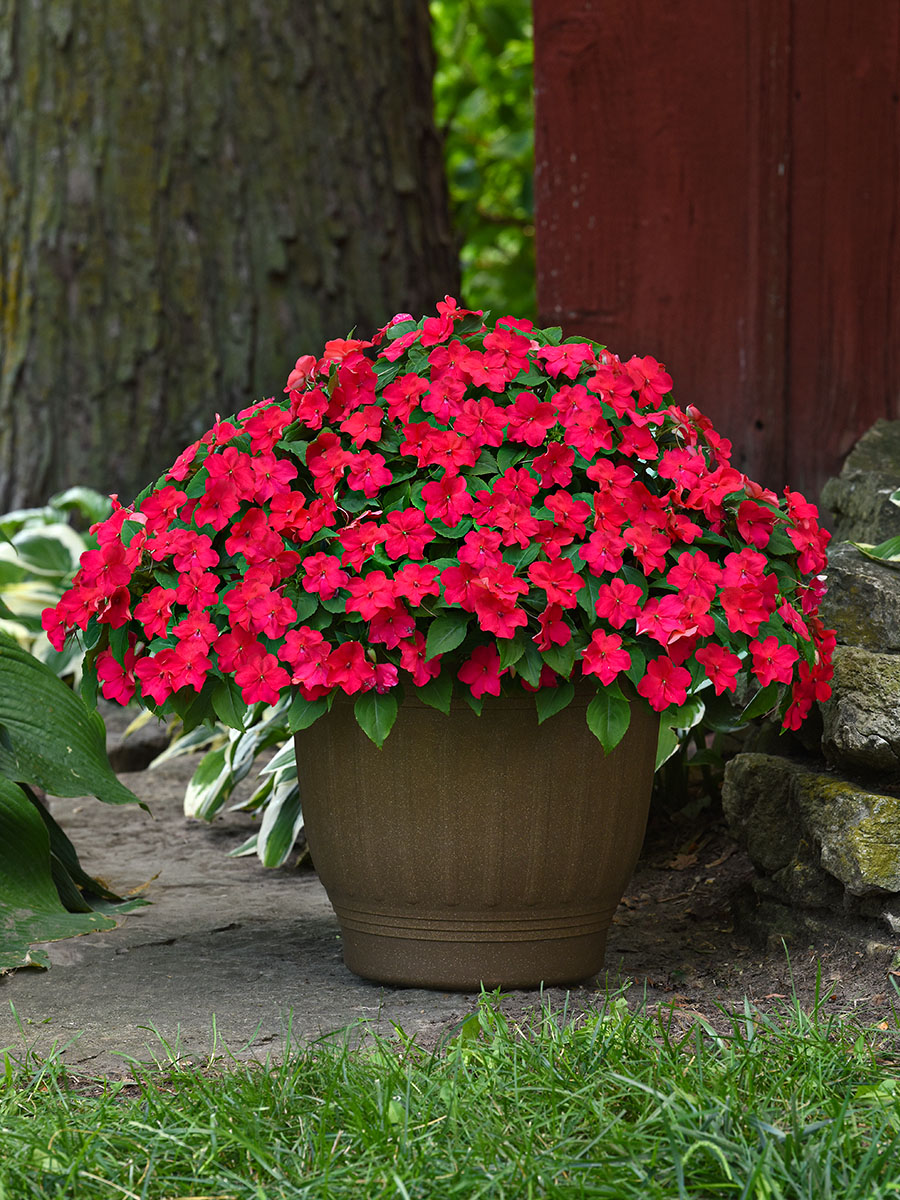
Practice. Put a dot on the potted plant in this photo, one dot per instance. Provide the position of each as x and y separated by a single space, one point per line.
461 515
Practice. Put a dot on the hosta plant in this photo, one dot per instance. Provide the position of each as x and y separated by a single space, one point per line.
455 509
44 892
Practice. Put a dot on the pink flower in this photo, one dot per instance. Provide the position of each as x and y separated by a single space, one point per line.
481 671
369 593
261 678
323 575
618 602
664 684
558 580
772 661
406 534
447 499
116 679
604 656
348 668
720 665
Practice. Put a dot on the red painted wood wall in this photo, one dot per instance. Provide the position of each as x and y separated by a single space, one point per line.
718 184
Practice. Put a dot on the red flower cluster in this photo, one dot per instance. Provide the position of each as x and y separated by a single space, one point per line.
452 501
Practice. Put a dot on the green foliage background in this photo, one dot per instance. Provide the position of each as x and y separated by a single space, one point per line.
484 108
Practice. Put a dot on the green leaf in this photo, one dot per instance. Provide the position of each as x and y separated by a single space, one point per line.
63 852
511 650
520 557
560 658
283 759
437 693
684 716
304 713
608 717
530 664
194 708
228 704
92 506
780 543
550 701
764 701
54 741
509 456
305 604
30 907
476 703
375 714
666 745
446 633
638 666
587 596
52 550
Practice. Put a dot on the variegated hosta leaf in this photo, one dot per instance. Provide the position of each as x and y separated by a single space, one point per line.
674 724
885 552
210 785
284 758
282 821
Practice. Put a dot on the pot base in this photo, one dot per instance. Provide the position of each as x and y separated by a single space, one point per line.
465 952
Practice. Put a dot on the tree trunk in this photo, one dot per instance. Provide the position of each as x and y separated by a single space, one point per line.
191 196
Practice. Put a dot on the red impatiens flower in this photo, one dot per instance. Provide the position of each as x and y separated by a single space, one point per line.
116 678
554 630
481 671
367 473
664 684
323 575
261 678
755 523
559 581
370 593
348 668
406 534
745 609
416 583
447 499
618 602
413 660
773 662
482 422
529 419
305 650
604 656
545 494
720 665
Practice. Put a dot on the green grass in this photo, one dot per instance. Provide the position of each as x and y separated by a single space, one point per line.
609 1105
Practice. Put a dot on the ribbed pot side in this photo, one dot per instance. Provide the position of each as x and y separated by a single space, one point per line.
475 850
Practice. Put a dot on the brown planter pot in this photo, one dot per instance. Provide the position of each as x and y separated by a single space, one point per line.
475 850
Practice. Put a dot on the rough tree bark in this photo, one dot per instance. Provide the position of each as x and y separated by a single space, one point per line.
192 195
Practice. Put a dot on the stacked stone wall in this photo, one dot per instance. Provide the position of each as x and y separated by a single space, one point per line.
819 814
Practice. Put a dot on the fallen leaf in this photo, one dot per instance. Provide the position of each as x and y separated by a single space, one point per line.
717 862
681 862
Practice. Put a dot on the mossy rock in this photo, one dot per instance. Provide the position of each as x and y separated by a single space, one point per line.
861 721
863 601
798 822
859 498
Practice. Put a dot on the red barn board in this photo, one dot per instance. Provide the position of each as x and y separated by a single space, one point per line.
719 185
